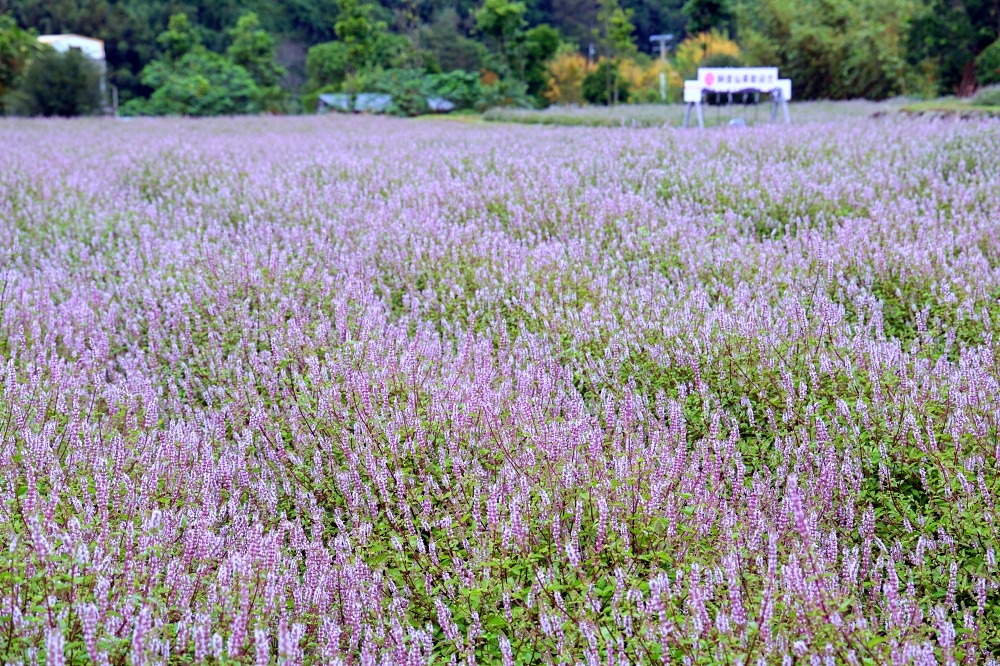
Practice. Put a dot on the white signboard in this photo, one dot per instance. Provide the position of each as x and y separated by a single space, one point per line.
733 79
737 80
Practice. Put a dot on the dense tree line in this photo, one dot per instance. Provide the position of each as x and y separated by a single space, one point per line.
267 53
130 28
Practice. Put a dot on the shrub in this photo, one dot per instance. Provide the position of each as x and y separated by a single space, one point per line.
504 92
988 96
201 83
58 84
410 89
595 84
461 88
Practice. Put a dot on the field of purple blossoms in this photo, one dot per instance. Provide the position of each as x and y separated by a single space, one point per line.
371 391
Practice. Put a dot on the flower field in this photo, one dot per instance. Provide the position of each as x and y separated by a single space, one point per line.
302 391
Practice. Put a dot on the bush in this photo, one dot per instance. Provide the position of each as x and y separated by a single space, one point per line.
201 83
505 93
458 87
988 64
410 88
58 84
595 84
988 96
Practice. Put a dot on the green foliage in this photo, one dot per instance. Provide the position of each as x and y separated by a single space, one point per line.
410 89
595 89
201 83
326 65
450 47
938 46
461 88
179 39
505 93
618 44
540 44
129 28
253 50
359 32
708 15
364 45
502 21
947 36
831 49
988 64
17 46
192 81
58 84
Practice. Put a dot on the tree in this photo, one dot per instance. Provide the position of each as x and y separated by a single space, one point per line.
179 39
539 46
362 44
449 45
617 41
58 84
707 15
201 83
17 47
595 89
503 22
831 49
566 74
949 36
129 28
253 50
359 32
326 65
190 80
655 17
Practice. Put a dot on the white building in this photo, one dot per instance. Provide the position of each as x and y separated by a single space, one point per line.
92 48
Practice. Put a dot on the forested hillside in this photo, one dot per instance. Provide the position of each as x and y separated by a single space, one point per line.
830 48
129 27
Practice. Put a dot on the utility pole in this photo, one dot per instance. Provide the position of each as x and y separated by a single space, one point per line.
662 40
